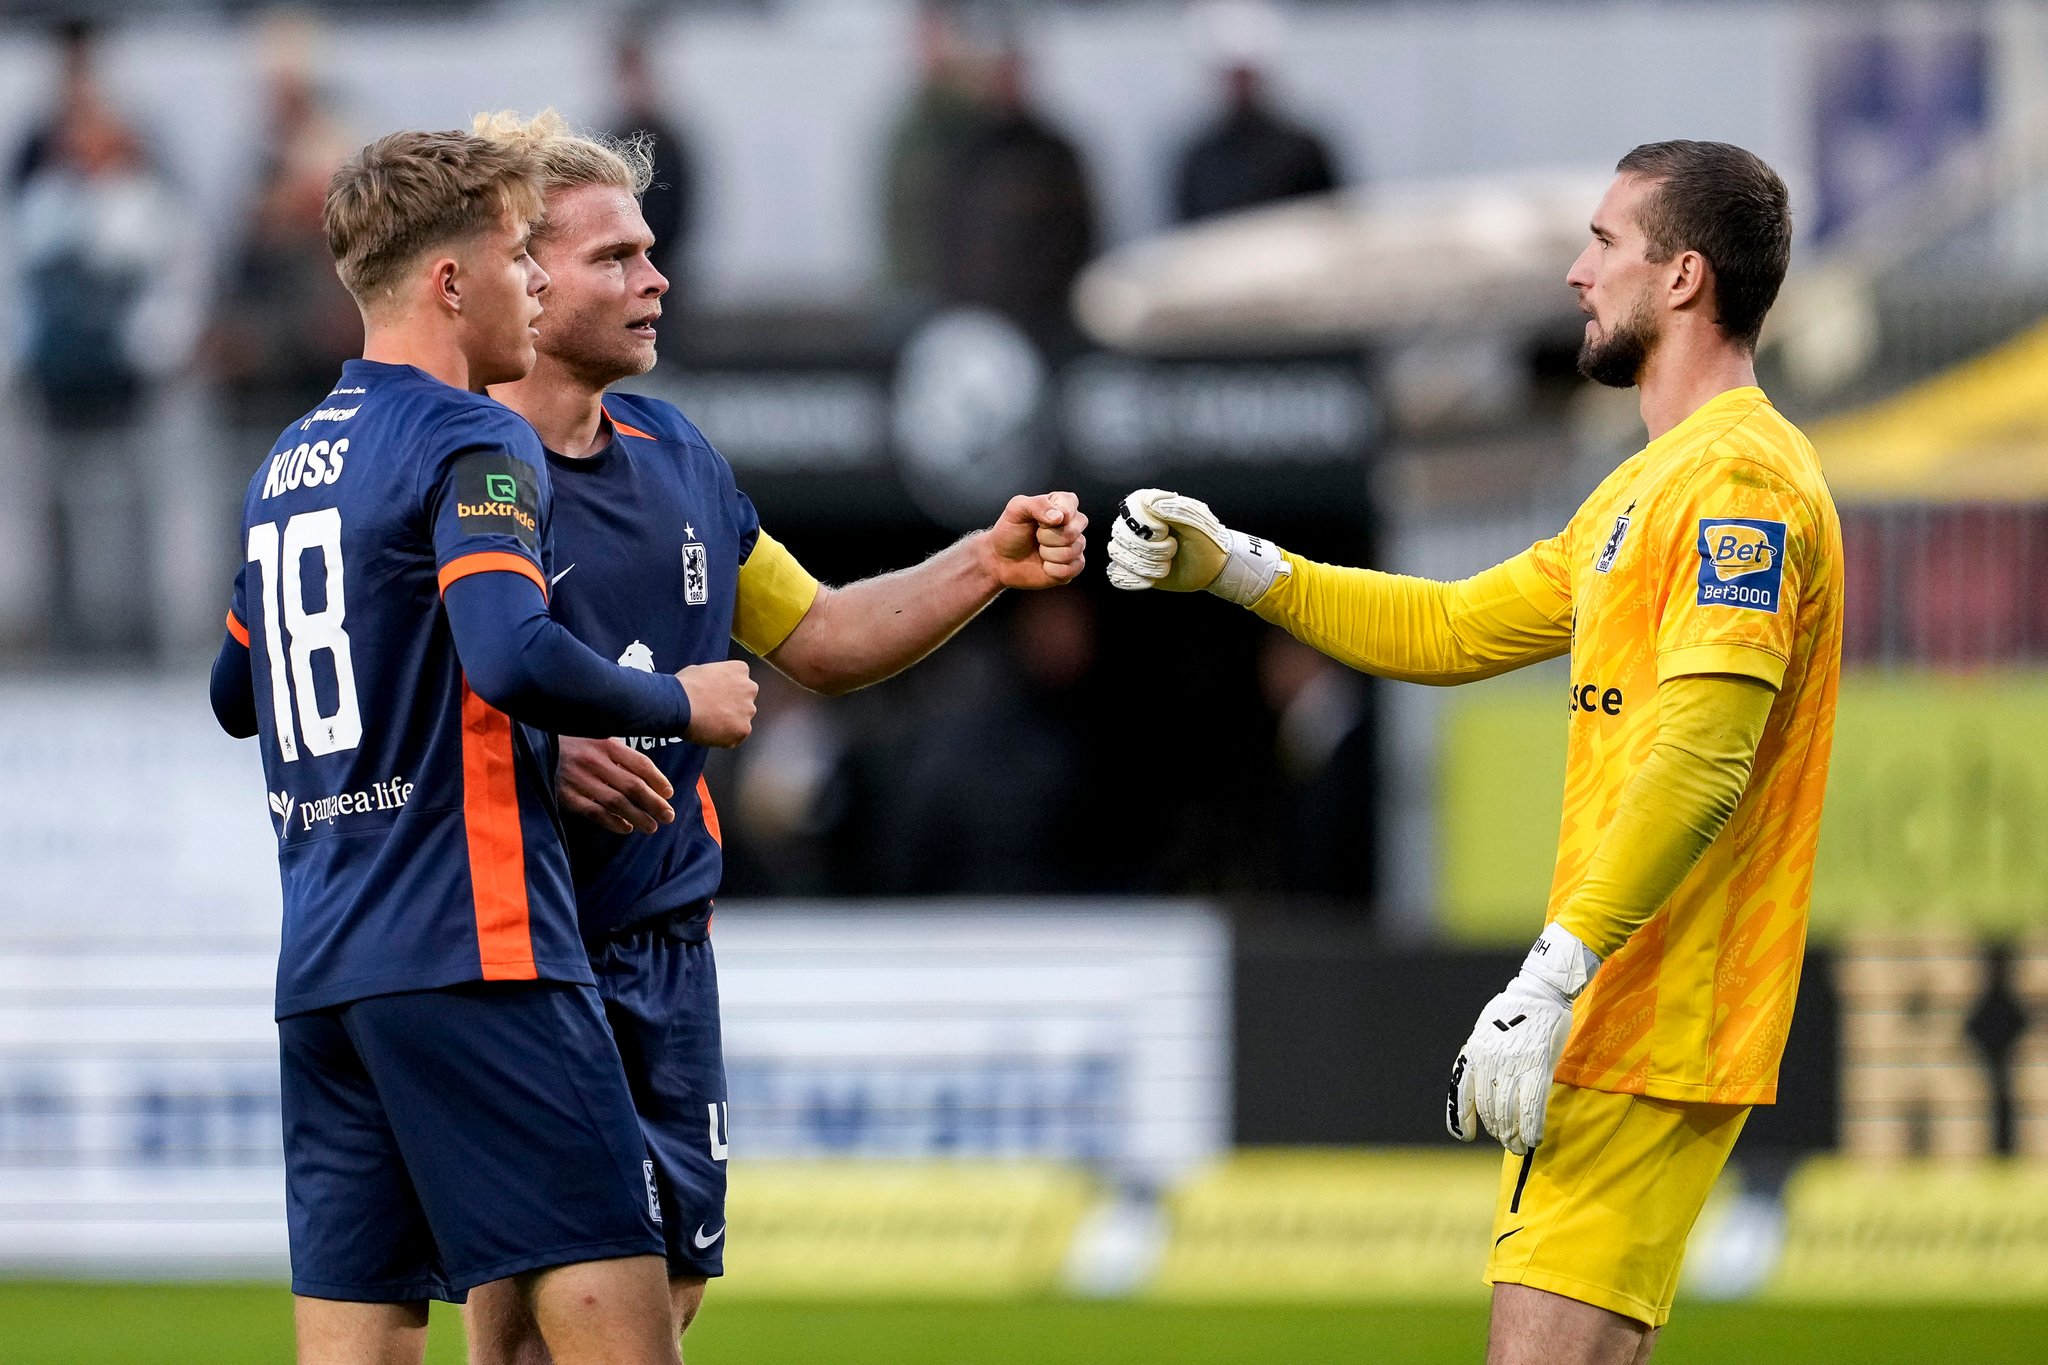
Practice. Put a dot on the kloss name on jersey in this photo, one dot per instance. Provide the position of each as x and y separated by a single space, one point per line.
390 794
305 465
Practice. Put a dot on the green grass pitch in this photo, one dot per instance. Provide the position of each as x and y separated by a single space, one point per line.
154 1324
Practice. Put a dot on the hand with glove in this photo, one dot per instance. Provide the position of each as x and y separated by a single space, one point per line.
1163 540
1502 1078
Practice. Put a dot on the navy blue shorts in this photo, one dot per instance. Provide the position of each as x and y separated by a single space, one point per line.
434 1140
661 996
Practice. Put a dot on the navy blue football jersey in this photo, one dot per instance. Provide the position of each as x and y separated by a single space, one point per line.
418 842
649 537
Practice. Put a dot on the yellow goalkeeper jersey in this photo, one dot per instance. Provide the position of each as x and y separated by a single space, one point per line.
1716 549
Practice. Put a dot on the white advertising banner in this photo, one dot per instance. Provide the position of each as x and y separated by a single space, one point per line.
138 1083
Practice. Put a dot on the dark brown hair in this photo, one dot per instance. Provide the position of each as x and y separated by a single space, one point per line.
1726 204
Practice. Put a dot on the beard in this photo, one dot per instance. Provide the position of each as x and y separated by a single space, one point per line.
598 352
1617 359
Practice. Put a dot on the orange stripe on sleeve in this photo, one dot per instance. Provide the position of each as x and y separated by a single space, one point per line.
490 561
497 848
624 430
710 812
237 629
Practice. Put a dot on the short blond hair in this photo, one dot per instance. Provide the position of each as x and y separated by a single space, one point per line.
408 192
569 160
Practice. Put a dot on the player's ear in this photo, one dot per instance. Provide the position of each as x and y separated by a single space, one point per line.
1688 279
445 276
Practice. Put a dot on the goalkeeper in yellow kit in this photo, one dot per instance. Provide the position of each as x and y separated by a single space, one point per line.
1699 593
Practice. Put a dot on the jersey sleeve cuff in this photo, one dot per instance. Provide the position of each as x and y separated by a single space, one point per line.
1748 661
490 561
236 629
775 594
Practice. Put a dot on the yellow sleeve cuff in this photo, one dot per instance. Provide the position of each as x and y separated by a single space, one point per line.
1744 661
775 594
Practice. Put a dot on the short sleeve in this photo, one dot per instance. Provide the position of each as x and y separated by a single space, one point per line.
1733 550
486 496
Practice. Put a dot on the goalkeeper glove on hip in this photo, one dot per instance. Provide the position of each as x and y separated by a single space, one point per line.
1502 1078
1163 540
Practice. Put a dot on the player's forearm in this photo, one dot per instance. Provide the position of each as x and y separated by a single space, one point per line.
232 691
523 662
873 629
1415 629
1675 806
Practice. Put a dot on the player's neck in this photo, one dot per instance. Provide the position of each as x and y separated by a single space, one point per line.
566 411
1684 374
435 354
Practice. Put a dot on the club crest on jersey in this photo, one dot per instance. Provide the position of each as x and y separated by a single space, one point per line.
1613 546
1742 563
696 575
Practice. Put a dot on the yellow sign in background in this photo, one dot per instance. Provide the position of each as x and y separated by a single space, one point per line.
1937 806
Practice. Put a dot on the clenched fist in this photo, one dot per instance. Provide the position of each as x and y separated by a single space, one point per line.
1038 541
721 702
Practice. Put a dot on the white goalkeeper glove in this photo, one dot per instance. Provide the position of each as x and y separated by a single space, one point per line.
1163 540
1502 1078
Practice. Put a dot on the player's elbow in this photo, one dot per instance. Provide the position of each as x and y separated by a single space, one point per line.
506 684
816 658
232 692
826 682
239 724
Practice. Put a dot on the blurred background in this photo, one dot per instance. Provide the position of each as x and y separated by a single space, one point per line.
1043 987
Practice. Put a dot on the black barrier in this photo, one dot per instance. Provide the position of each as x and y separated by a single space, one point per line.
1342 1040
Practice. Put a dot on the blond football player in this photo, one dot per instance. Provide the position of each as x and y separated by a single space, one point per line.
1699 594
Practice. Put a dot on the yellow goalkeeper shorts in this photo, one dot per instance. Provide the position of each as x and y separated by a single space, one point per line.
1601 1210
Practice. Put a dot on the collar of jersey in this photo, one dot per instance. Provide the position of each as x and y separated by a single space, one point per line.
1706 412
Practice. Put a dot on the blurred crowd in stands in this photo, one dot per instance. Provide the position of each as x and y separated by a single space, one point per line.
1002 765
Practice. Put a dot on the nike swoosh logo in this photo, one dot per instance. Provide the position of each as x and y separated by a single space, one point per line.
560 576
1498 1240
700 1241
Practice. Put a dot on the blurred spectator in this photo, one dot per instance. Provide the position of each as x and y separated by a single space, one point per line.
284 325
76 88
1017 222
109 295
781 793
1320 816
670 203
1251 155
944 115
995 789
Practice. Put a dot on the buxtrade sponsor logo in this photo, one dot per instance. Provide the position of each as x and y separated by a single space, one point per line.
1742 563
388 795
499 507
497 495
309 464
